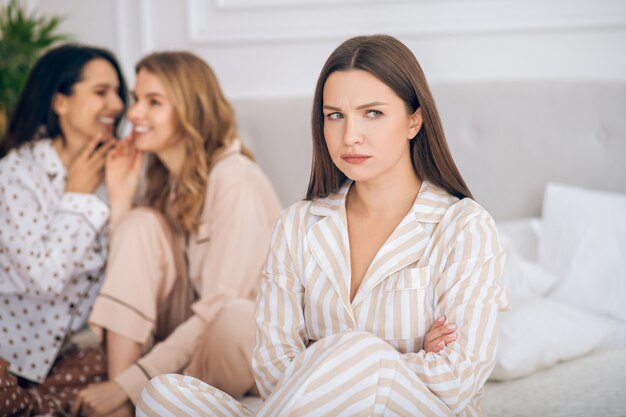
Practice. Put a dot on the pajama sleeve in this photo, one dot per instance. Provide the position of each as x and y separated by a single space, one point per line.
468 293
45 245
281 333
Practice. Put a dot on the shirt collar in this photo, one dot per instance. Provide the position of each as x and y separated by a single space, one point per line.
48 159
224 152
429 206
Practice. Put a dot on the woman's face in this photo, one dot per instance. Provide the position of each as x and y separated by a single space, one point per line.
94 103
366 126
152 115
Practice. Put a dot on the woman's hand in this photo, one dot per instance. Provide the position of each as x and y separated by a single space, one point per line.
123 166
439 335
100 400
85 172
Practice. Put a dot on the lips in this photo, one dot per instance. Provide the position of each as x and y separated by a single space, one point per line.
141 129
106 120
355 158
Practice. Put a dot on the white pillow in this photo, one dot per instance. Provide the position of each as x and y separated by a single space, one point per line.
584 243
524 234
521 277
538 333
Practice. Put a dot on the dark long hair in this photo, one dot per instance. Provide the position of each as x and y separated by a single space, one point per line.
394 64
55 72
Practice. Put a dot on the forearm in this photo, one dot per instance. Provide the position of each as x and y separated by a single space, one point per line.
50 248
119 208
169 356
121 353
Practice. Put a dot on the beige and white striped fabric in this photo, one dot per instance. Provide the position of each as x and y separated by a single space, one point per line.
319 354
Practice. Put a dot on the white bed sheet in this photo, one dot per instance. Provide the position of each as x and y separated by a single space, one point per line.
618 340
591 386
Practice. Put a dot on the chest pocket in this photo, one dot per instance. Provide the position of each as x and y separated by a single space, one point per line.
405 308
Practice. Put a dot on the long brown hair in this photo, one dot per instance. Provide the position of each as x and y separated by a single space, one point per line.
206 122
394 64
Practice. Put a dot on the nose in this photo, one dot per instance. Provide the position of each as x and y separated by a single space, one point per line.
134 112
115 103
352 134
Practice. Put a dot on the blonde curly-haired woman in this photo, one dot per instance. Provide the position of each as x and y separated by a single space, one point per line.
183 269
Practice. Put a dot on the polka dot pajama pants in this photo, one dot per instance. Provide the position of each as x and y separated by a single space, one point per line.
70 373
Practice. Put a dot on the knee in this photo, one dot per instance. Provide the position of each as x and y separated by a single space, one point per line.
157 389
139 220
233 328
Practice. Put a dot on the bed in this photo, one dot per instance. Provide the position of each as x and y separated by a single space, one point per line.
548 160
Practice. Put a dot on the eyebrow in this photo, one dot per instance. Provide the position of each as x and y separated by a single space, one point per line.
149 94
107 85
362 106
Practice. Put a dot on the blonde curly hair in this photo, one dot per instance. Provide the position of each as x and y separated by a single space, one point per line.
206 122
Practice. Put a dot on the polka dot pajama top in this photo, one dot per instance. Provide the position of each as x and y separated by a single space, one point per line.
53 248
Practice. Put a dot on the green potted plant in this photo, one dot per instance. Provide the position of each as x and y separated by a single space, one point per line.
23 37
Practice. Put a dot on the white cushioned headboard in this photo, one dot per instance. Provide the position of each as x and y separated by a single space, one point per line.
508 138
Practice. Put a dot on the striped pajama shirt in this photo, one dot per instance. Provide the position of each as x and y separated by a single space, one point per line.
319 354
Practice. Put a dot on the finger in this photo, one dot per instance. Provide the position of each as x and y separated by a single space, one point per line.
96 169
441 341
138 158
449 338
435 346
92 145
101 152
437 330
76 405
439 322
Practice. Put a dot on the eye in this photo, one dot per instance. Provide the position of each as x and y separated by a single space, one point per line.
334 116
101 93
373 114
154 103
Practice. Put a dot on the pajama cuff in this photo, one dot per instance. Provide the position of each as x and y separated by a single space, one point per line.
133 380
89 206
116 315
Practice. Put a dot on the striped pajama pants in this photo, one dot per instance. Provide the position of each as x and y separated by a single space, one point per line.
347 374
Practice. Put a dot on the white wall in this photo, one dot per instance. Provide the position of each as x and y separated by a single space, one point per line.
262 48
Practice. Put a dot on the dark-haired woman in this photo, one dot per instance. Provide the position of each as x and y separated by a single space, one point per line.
54 216
388 240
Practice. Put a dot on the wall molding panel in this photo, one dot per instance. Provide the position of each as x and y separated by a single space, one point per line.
251 21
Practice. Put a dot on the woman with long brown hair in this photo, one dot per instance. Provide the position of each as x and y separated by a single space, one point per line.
184 268
388 242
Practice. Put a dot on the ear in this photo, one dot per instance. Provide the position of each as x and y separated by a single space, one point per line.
59 104
415 123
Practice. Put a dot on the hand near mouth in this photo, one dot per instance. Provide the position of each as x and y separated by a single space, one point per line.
122 171
85 171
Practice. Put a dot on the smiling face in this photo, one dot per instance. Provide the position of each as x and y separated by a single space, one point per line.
93 104
366 126
152 115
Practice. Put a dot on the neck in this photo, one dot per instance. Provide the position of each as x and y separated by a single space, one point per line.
388 195
68 148
173 158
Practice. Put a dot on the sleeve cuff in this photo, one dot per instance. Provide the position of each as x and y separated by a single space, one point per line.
132 381
89 206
